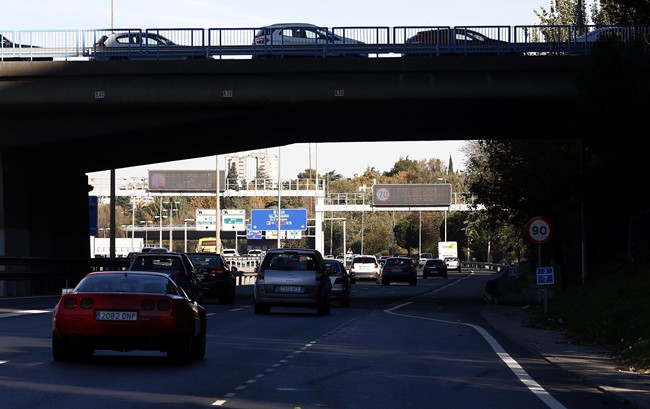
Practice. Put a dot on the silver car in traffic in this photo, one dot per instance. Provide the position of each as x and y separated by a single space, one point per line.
292 278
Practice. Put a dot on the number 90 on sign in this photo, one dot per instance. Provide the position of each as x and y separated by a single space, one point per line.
538 230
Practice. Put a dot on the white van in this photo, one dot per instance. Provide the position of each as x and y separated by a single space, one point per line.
227 253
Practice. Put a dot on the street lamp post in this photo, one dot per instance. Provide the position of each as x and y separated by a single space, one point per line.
445 211
146 230
172 208
466 228
185 225
161 227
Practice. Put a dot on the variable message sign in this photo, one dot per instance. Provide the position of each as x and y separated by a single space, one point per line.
411 195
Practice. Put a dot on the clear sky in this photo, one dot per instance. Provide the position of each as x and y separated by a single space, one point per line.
346 159
96 14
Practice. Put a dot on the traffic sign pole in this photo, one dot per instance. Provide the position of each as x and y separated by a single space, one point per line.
538 230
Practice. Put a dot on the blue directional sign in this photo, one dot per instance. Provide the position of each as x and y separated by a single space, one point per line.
513 272
253 234
544 275
290 219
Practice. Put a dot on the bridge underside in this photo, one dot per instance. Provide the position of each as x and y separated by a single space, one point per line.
78 117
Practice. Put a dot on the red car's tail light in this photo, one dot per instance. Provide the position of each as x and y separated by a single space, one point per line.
164 305
86 303
147 304
70 303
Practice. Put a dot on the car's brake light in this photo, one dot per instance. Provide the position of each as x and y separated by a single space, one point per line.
177 274
261 40
260 273
215 271
70 303
86 303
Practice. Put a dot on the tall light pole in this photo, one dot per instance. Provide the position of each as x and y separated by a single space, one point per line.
362 189
146 230
160 218
185 226
172 205
420 236
445 211
132 211
278 219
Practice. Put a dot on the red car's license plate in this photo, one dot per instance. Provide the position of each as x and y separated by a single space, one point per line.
116 315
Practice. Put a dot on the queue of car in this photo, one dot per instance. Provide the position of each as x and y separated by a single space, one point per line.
154 305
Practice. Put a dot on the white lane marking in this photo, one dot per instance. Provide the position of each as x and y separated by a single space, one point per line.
514 366
291 355
10 312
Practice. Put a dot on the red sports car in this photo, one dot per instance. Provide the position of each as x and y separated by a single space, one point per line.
126 311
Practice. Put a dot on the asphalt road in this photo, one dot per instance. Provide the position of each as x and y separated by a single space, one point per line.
396 346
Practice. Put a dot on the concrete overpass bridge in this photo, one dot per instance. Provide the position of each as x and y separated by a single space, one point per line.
62 119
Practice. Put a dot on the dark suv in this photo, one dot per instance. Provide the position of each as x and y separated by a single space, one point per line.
434 268
177 265
292 278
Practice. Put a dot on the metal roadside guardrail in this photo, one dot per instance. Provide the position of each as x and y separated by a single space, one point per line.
380 41
26 276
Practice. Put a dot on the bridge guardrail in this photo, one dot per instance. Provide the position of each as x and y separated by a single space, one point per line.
238 42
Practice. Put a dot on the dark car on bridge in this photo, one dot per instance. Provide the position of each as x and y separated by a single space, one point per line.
438 41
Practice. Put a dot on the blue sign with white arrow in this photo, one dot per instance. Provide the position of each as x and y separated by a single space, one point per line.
290 219
544 275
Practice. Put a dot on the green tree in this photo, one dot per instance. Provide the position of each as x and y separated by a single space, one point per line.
407 233
232 177
633 12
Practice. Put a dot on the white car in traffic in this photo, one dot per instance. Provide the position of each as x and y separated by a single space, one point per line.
302 39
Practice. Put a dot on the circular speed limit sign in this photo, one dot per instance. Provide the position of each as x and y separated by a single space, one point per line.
538 230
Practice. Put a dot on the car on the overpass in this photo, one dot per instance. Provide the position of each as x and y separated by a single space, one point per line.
304 39
454 40
139 45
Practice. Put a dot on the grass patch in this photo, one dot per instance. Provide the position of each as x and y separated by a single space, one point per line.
611 312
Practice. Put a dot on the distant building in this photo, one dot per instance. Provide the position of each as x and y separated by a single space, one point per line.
250 165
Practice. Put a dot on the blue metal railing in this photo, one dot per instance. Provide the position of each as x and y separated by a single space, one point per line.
222 43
